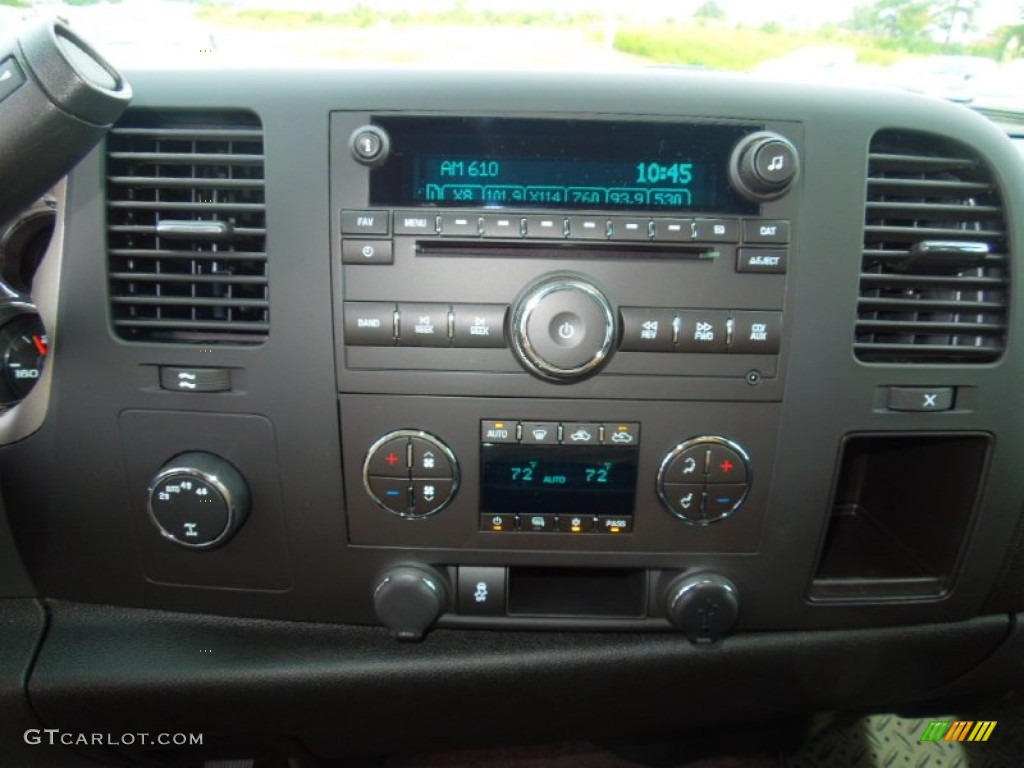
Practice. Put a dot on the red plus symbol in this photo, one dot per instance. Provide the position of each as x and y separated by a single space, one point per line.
392 458
726 466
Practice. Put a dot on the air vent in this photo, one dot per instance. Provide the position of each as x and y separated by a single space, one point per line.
933 286
186 228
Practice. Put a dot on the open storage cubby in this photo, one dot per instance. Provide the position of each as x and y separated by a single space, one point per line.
902 509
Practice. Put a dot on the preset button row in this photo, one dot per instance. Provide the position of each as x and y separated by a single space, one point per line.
555 227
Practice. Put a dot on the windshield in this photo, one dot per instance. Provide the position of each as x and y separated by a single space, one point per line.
966 50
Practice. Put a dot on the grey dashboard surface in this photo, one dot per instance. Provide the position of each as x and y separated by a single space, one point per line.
306 404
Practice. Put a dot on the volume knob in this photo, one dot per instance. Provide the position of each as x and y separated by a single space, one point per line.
764 166
563 328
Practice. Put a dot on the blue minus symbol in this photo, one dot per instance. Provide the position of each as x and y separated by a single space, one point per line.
723 500
394 493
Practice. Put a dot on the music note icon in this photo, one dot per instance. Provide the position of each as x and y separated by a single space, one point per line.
777 163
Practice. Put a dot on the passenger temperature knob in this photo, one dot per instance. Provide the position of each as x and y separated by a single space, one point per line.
704 606
198 500
764 166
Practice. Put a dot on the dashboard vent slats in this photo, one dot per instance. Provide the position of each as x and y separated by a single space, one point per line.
186 228
934 286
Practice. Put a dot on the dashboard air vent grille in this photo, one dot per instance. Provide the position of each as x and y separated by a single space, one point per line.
934 285
186 227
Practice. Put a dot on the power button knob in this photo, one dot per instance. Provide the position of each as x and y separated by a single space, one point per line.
563 328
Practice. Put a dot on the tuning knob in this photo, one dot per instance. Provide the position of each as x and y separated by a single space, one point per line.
764 166
704 606
198 500
409 598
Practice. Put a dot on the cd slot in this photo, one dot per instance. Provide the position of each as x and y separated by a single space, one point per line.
533 250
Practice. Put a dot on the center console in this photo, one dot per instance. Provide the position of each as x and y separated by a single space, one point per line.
560 336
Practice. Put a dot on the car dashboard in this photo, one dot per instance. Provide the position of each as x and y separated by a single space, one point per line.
401 391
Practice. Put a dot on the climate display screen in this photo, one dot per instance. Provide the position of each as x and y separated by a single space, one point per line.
558 480
558 164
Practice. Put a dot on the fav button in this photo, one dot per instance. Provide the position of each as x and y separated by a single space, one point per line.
364 222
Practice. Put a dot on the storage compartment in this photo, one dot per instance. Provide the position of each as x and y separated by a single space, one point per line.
902 510
566 592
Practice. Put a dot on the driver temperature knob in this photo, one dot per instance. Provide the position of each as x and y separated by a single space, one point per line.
764 166
704 606
198 500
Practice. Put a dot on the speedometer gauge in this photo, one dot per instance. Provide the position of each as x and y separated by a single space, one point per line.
23 349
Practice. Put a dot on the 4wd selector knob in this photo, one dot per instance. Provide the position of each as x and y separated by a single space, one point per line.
563 328
764 166
198 500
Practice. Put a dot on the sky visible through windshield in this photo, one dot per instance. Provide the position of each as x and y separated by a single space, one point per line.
954 48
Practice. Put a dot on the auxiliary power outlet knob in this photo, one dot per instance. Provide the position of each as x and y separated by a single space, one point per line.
704 606
764 166
409 598
198 500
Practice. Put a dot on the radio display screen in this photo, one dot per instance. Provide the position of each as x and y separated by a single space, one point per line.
557 480
558 164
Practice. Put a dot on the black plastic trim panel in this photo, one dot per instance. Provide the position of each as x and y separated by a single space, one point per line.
344 690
